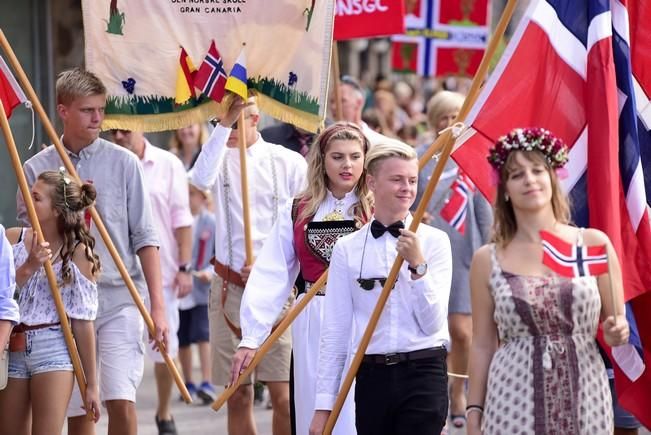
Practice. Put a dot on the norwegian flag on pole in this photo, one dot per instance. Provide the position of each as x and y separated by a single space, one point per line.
573 260
11 94
211 77
455 209
572 68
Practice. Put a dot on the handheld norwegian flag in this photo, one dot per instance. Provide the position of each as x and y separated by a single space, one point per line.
211 77
11 94
456 207
573 260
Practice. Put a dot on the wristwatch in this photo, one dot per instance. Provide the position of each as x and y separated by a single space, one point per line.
185 268
420 269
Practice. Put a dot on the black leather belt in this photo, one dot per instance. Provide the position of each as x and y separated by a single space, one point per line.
397 358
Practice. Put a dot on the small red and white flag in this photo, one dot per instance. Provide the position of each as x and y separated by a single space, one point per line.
11 94
455 209
211 77
573 260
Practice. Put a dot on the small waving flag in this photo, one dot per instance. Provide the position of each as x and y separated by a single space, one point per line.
11 94
211 77
185 79
573 260
455 209
236 82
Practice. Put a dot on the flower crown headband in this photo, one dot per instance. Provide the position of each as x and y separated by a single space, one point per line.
529 139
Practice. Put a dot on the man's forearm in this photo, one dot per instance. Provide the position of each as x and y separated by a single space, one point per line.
183 236
150 261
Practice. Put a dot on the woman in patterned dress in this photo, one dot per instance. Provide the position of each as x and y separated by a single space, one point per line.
336 202
534 363
40 369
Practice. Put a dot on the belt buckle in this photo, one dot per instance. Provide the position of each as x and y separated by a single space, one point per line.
391 359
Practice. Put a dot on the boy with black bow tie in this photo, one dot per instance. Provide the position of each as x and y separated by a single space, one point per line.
401 386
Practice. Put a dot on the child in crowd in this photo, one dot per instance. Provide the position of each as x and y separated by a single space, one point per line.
40 369
193 308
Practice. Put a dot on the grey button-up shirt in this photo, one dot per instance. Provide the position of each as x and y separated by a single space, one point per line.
123 204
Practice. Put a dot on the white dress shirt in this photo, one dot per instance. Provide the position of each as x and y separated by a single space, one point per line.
276 269
415 315
289 167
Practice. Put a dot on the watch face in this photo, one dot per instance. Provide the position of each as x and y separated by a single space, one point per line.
421 269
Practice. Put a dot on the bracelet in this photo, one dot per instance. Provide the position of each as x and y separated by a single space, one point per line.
471 408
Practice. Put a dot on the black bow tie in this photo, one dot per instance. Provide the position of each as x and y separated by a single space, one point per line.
377 229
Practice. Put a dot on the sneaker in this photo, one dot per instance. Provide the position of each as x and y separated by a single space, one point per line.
166 427
206 392
192 389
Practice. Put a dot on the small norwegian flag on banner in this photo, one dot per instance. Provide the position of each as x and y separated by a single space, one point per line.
456 208
572 260
211 77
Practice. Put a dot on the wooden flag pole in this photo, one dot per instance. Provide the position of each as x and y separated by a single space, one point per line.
275 335
339 110
38 107
49 272
479 78
246 210
446 141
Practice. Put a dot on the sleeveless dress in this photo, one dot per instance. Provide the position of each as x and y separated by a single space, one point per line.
546 377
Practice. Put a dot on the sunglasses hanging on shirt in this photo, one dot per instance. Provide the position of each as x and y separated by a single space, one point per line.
368 284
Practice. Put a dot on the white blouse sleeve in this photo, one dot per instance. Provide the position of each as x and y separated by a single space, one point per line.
274 271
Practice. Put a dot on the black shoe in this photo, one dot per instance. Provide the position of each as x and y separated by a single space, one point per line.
166 427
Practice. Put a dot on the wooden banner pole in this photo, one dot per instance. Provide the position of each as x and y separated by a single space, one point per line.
246 210
339 110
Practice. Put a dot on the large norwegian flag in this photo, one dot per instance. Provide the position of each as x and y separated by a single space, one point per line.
568 69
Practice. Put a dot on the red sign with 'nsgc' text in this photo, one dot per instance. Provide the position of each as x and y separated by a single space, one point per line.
368 18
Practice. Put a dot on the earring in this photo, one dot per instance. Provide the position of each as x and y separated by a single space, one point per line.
506 197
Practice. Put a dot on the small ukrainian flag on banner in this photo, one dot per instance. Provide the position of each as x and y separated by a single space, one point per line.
236 82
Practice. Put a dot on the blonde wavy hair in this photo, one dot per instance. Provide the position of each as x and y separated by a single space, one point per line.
504 223
316 191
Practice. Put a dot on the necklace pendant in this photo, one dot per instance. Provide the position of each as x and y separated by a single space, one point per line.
334 216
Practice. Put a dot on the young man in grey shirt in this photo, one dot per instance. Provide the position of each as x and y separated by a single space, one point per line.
123 204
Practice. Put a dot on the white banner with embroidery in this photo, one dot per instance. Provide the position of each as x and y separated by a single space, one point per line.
165 62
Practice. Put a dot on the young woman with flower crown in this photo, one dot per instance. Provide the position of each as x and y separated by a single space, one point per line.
335 203
534 364
40 369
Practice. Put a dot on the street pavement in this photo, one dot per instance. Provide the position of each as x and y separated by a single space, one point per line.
197 419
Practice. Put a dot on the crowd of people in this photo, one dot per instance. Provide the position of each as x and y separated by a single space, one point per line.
476 333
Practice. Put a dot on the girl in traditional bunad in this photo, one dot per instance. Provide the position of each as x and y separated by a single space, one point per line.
40 368
335 203
534 365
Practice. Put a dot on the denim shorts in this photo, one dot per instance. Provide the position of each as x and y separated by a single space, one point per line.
45 351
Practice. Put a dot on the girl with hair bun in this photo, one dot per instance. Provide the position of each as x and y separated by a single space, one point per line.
40 369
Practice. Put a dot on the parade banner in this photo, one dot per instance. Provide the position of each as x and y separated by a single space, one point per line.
585 82
443 37
148 55
369 19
